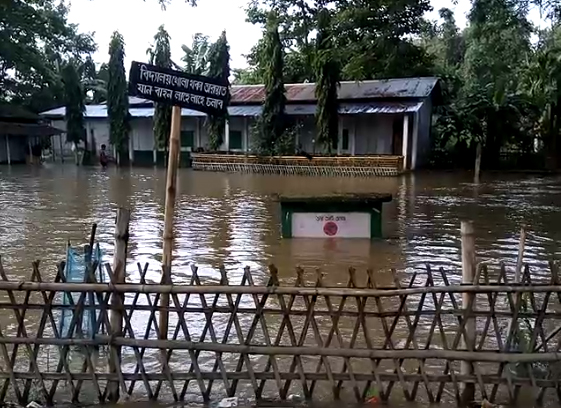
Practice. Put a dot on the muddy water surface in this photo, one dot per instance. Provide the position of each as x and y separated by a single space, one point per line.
234 220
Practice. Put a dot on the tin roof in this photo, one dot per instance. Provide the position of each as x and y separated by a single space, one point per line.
243 96
348 90
349 108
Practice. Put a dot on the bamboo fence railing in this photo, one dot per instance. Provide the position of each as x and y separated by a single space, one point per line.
353 166
269 340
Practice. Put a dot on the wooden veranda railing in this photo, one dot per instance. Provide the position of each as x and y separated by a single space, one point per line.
355 166
251 336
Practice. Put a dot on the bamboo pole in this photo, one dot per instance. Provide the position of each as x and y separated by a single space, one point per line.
117 299
520 258
171 183
355 352
262 290
468 299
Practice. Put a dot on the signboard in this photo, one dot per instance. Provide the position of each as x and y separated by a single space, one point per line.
331 225
178 88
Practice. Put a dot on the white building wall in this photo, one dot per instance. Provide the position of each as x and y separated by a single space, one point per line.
373 134
142 134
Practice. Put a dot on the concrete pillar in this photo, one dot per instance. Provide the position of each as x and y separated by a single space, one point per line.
415 141
245 135
131 148
8 154
405 143
227 136
29 148
352 137
297 137
339 135
197 133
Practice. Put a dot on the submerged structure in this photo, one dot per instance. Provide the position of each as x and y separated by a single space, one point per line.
339 216
382 124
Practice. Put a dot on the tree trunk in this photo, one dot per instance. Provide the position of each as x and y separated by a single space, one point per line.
478 150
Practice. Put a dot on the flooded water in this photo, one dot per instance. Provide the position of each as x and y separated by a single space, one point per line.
234 220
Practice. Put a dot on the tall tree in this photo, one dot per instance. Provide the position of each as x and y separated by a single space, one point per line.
160 55
375 37
272 122
488 111
196 58
327 73
35 42
542 83
219 68
117 95
74 97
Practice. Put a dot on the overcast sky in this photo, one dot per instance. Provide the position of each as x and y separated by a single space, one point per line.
138 21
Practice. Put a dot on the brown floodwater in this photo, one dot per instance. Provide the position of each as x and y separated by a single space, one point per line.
234 220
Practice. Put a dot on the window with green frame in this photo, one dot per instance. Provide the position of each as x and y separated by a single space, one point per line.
187 138
236 140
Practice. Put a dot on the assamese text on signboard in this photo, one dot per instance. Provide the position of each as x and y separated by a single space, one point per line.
178 88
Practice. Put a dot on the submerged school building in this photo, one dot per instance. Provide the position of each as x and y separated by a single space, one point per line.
384 129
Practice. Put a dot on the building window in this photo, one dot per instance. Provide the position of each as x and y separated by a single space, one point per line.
345 140
235 140
187 138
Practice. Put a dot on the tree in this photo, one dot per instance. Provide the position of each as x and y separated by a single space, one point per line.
160 55
272 122
75 107
488 110
375 38
327 73
219 68
541 81
117 95
36 40
196 58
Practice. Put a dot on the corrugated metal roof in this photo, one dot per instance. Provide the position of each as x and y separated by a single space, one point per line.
348 90
379 107
416 88
347 108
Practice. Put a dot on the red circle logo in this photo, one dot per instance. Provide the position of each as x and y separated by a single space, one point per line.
330 228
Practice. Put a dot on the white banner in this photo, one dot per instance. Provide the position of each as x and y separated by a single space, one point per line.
331 225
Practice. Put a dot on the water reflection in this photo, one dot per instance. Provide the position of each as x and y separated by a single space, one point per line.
233 219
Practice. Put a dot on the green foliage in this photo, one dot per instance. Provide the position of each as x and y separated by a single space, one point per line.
196 58
160 54
272 122
327 73
117 95
374 39
219 68
36 41
74 103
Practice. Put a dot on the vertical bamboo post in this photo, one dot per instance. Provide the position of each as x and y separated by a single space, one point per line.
468 276
171 182
520 259
116 318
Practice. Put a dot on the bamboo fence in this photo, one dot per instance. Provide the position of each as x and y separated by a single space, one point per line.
260 339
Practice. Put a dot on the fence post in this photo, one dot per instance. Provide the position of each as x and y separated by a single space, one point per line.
117 300
468 276
520 259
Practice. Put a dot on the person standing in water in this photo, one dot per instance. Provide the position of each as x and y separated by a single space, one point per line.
103 159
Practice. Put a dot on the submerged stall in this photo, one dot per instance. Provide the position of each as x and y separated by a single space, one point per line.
336 216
